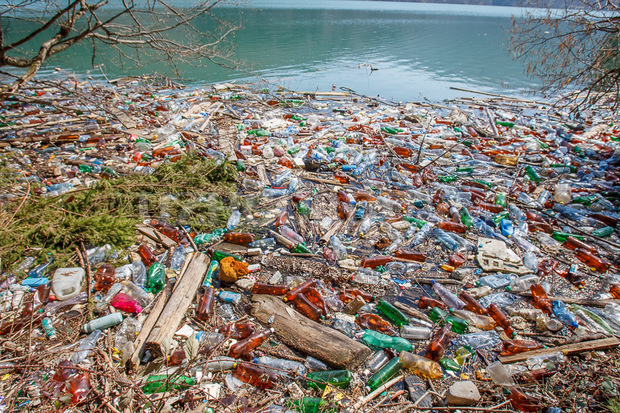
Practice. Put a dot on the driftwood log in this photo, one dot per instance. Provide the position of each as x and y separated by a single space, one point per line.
303 334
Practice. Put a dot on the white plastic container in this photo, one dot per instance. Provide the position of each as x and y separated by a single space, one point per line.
67 282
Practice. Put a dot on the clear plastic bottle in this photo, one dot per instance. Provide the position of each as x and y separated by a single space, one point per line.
449 298
562 193
86 347
281 366
233 220
420 236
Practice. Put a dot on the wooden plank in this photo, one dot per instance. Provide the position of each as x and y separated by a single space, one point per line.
156 236
226 142
174 311
156 309
148 325
303 334
567 349
262 174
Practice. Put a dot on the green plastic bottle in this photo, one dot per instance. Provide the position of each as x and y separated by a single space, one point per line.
301 248
500 199
497 218
208 280
441 317
466 169
304 209
447 178
418 222
466 219
532 174
392 313
218 256
385 374
161 382
380 340
155 278
504 123
603 232
337 378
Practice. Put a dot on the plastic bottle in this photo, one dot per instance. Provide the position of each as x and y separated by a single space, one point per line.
510 347
421 366
338 247
160 383
523 283
501 319
425 302
392 313
50 332
458 325
79 387
137 293
102 323
243 347
409 255
564 314
104 277
447 296
376 323
233 220
499 280
365 278
263 243
379 340
337 378
540 299
221 364
280 366
520 401
444 239
260 288
155 278
376 261
229 297
482 322
254 375
289 233
204 309
147 256
85 347
384 374
562 193
125 303
499 374
439 343
420 236
415 333
471 303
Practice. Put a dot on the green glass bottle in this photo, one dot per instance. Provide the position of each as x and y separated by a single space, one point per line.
466 219
220 255
532 174
561 236
418 222
392 313
449 364
304 209
603 232
161 382
441 317
485 183
504 123
258 132
379 340
155 278
337 378
466 169
86 169
385 374
497 218
500 199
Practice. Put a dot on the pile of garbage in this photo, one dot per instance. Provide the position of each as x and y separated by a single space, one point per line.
323 252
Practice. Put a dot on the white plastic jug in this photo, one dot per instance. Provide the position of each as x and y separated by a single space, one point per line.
67 282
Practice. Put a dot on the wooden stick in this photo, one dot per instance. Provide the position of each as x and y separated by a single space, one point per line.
378 391
568 349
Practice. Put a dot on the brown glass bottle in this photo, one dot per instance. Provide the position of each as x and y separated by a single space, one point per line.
243 347
239 238
522 402
614 290
363 196
238 331
254 375
204 309
260 288
147 256
316 298
439 343
501 319
375 322
344 210
457 259
282 219
472 304
355 292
